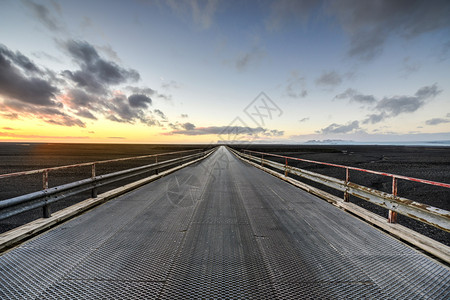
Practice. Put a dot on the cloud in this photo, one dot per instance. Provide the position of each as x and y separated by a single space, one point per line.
56 101
375 118
32 136
148 92
390 107
304 120
184 116
201 11
96 74
138 100
336 128
160 114
188 126
371 23
141 90
296 87
20 60
170 85
110 52
43 14
15 85
396 105
246 59
409 67
355 96
436 121
192 130
329 79
51 115
119 110
283 12
8 128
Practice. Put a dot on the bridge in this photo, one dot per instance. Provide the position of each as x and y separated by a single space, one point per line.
219 228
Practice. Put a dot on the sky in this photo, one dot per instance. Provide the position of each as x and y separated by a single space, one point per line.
230 71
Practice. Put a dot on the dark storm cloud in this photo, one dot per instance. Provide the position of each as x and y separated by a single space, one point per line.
337 128
119 110
15 85
329 79
355 96
389 107
20 60
191 129
138 100
96 74
80 98
29 96
371 23
123 112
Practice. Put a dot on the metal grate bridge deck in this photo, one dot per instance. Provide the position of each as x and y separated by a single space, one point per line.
219 229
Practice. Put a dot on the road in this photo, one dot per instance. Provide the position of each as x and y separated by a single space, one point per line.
219 229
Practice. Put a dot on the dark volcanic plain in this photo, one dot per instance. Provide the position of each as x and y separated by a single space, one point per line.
432 163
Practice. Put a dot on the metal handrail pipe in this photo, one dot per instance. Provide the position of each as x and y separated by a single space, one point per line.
89 164
48 192
425 181
434 216
54 194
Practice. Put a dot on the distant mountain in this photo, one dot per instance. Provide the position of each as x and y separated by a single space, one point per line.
330 142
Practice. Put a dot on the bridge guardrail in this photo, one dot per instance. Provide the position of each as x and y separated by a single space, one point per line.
437 217
43 198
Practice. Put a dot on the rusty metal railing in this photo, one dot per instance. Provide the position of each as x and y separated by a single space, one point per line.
43 198
437 217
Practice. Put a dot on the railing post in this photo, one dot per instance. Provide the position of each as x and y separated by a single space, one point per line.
285 167
392 217
156 161
94 190
262 157
45 208
347 180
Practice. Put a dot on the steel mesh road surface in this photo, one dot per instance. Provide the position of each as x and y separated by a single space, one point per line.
220 229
